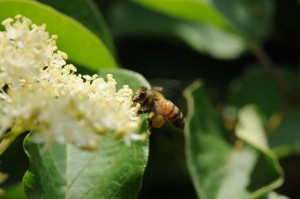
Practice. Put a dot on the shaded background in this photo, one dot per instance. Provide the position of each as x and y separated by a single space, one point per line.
157 57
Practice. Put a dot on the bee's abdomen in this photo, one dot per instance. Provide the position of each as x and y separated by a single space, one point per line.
177 120
174 115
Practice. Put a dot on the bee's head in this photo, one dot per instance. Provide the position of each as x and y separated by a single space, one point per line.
140 95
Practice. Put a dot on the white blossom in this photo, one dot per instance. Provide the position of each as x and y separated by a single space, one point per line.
45 95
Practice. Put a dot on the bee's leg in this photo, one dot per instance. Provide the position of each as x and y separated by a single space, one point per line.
155 121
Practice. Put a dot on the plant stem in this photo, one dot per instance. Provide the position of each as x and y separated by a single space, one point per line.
268 65
8 138
4 144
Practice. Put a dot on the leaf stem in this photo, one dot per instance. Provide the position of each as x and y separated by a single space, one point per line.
8 138
4 144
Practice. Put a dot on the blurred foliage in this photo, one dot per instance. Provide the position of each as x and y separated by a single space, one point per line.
73 37
200 36
216 163
245 52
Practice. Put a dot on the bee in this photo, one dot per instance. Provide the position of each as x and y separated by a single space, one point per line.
152 101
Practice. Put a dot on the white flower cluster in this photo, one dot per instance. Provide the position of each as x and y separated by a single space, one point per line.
40 92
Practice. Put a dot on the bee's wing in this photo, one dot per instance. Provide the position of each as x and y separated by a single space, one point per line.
157 88
168 87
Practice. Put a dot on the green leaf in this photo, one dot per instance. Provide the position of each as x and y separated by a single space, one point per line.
214 26
256 87
285 140
250 19
194 10
222 169
128 19
273 195
87 13
267 172
64 171
250 129
81 45
126 77
114 170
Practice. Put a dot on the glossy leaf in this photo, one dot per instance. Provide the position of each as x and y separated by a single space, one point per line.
114 170
220 168
126 77
128 19
87 13
194 10
210 26
81 45
250 19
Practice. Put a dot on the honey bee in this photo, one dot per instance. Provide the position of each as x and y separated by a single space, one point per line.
153 102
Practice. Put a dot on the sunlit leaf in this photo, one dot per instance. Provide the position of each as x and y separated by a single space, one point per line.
81 45
126 77
267 174
128 19
250 128
194 10
87 13
250 19
217 22
273 195
219 167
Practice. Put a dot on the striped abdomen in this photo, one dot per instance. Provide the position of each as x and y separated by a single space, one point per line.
172 113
